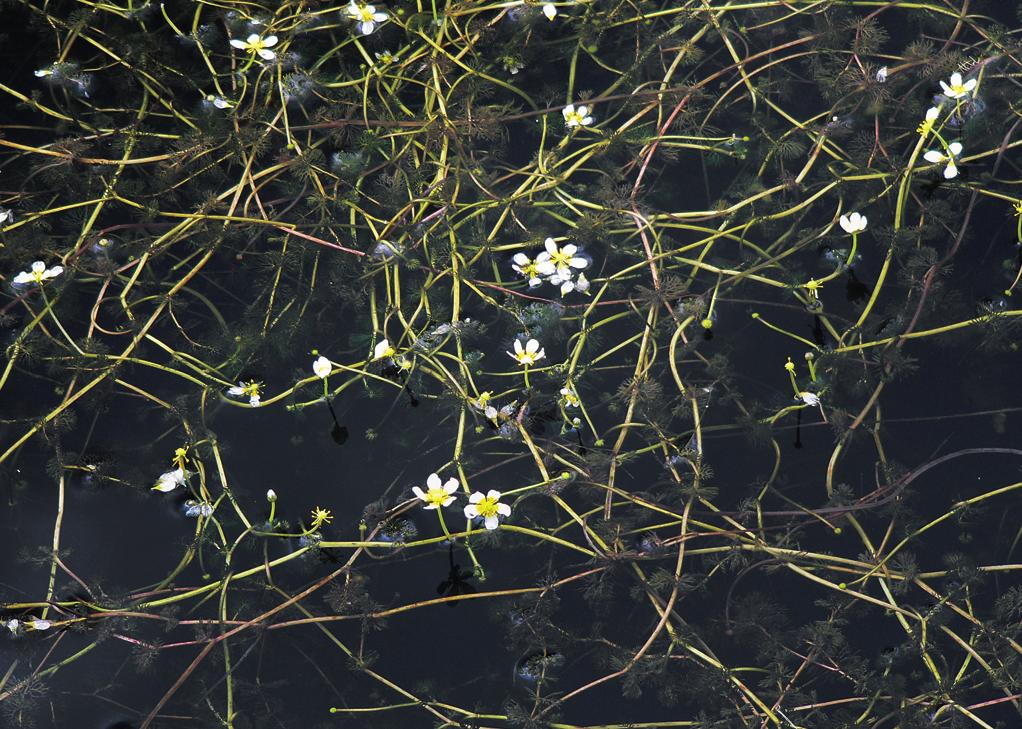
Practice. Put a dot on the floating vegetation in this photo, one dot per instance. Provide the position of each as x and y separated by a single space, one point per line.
518 364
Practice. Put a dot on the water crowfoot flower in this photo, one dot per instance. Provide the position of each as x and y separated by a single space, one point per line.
936 157
436 493
528 268
170 480
482 404
569 397
955 88
321 367
365 16
809 398
576 117
559 260
38 274
853 223
218 101
488 508
926 126
383 350
256 45
563 278
528 355
247 389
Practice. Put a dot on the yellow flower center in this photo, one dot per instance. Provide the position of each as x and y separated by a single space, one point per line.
575 117
437 496
487 507
560 259
364 14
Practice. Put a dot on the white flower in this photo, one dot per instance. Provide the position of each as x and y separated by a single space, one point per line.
559 261
386 57
570 397
527 268
198 508
926 125
882 75
6 216
937 157
529 355
218 101
38 624
249 389
577 117
12 625
482 404
271 495
809 398
563 278
437 494
38 274
322 367
487 507
170 480
255 44
955 89
853 223
365 16
550 11
383 349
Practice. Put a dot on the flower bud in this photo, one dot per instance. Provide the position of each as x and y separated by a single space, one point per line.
271 495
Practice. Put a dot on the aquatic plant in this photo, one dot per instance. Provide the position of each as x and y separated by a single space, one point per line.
513 364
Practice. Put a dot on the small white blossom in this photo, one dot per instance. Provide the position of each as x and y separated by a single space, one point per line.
488 508
809 398
436 493
937 157
218 101
527 267
12 625
321 367
853 223
570 397
383 349
529 355
38 274
577 117
366 17
6 216
271 495
550 11
955 88
247 389
559 260
255 44
482 404
882 75
385 57
170 480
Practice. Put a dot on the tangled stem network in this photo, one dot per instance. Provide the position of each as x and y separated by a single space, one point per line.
284 379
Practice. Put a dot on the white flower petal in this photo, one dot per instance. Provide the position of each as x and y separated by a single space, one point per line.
238 43
470 511
951 171
491 522
955 148
433 481
933 156
452 485
503 509
366 27
521 259
567 111
550 11
476 497
493 494
266 55
381 349
23 278
419 492
321 367
270 40
236 390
